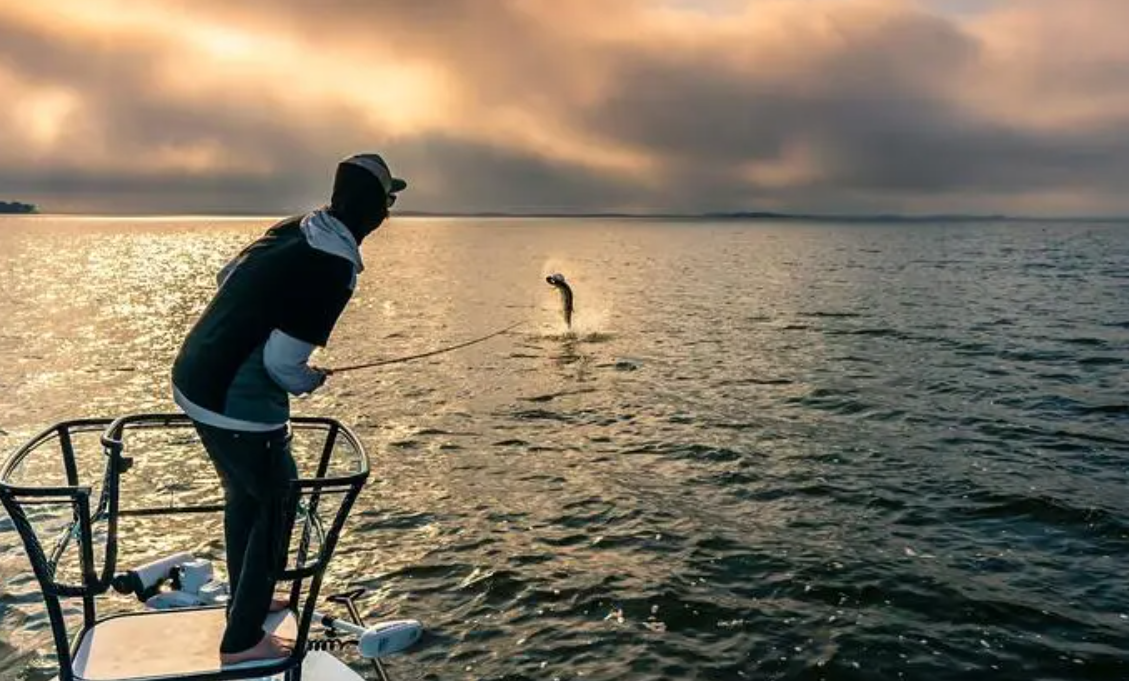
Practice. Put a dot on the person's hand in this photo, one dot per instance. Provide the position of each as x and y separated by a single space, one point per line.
325 373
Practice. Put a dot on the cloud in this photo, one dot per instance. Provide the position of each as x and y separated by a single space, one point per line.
827 105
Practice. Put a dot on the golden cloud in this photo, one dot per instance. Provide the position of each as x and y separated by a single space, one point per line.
585 104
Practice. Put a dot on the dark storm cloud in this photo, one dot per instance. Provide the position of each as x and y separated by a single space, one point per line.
583 105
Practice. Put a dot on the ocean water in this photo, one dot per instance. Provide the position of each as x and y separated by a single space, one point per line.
766 450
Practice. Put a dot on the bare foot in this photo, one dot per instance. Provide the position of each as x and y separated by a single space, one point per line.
283 641
279 604
270 647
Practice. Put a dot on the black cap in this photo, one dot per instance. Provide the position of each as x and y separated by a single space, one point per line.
363 191
379 168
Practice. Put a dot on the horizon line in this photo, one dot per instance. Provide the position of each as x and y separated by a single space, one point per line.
735 215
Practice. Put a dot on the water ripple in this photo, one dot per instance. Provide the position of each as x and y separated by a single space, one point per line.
764 451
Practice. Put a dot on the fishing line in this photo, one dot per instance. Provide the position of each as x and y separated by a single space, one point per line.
439 351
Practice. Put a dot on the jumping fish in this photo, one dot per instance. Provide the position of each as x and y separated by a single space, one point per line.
558 282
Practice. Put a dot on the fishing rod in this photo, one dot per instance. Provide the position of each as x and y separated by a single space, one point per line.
439 351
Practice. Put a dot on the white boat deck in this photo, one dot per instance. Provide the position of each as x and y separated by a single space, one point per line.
163 644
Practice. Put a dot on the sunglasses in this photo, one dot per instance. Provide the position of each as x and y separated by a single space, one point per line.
391 199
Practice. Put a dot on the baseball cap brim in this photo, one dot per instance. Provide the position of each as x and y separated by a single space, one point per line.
376 165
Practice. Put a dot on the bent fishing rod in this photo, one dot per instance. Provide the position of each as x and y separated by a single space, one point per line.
431 353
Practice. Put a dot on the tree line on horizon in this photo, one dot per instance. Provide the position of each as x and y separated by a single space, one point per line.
17 207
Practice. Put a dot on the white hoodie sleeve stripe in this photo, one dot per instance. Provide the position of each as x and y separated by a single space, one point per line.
285 358
224 273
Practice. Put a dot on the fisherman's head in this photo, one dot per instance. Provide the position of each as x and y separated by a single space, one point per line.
363 192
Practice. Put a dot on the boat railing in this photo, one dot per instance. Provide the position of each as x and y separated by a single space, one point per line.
86 491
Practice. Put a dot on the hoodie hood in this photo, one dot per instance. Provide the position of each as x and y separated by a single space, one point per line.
328 234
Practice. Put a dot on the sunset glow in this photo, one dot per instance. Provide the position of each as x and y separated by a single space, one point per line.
834 105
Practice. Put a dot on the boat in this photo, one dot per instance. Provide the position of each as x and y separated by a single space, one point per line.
71 502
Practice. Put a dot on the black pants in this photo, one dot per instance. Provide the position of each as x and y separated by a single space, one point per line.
255 469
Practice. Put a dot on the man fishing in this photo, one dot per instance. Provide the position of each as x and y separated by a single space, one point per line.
249 350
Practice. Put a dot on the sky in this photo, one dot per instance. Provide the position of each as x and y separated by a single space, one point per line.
819 106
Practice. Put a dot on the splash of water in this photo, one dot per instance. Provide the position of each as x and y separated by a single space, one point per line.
592 307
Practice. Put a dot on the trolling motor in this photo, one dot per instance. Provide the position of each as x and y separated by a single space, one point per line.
190 579
190 583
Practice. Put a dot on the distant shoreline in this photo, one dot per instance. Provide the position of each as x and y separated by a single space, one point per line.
740 216
735 216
